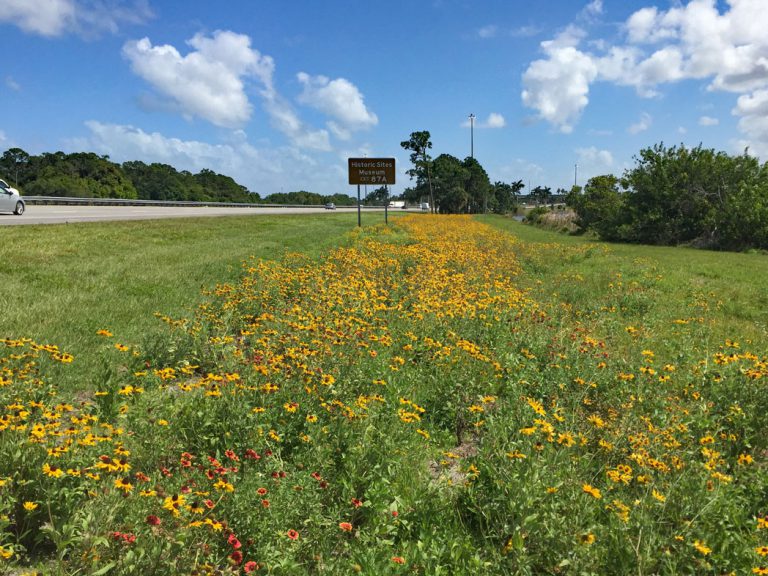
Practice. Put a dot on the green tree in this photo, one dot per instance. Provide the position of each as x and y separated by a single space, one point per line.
450 177
505 196
418 144
599 207
477 186
162 182
678 195
377 197
14 165
541 194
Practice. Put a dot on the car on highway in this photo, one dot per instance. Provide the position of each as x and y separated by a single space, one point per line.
330 206
11 200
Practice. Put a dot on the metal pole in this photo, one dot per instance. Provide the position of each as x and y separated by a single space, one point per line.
575 173
472 135
386 204
358 206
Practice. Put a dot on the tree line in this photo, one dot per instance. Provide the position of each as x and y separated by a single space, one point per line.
453 186
88 175
679 196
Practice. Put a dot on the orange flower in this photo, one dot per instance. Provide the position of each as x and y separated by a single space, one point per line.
398 559
345 526
292 534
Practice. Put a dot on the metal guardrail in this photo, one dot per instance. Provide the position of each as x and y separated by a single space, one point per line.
64 200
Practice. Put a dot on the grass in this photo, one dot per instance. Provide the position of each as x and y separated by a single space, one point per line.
62 283
447 395
730 283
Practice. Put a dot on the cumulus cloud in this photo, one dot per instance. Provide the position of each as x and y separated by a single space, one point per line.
558 86
285 119
753 112
708 121
724 46
208 82
641 125
211 82
58 17
339 99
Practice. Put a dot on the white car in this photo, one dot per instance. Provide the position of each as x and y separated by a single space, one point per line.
10 199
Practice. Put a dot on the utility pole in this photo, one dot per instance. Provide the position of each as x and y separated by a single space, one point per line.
471 135
575 173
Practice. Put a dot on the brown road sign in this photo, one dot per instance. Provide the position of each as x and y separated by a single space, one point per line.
371 170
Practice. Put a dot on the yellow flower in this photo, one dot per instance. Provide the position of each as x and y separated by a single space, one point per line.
745 459
658 496
762 550
52 471
30 506
592 491
105 333
701 547
587 539
596 421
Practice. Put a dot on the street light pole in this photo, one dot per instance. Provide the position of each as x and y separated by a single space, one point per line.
472 135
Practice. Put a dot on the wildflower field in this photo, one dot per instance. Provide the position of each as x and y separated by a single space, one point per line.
440 396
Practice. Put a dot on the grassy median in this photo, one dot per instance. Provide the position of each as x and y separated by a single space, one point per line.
447 395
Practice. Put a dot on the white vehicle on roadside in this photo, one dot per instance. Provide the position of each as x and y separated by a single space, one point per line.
10 199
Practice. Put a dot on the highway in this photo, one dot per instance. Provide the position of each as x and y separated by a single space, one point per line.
49 214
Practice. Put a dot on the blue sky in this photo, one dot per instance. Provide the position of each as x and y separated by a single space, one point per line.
279 93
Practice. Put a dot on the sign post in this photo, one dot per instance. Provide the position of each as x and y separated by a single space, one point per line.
370 171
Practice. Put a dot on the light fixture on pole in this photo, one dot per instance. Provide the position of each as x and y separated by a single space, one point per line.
471 135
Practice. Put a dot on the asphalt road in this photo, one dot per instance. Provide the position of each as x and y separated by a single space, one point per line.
46 214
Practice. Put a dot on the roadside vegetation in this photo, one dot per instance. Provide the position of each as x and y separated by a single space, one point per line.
441 396
680 196
88 175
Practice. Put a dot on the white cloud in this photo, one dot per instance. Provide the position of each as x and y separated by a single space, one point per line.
753 110
339 99
264 170
525 31
708 121
12 84
594 8
724 45
286 120
594 158
52 18
558 87
641 125
494 120
209 81
488 31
